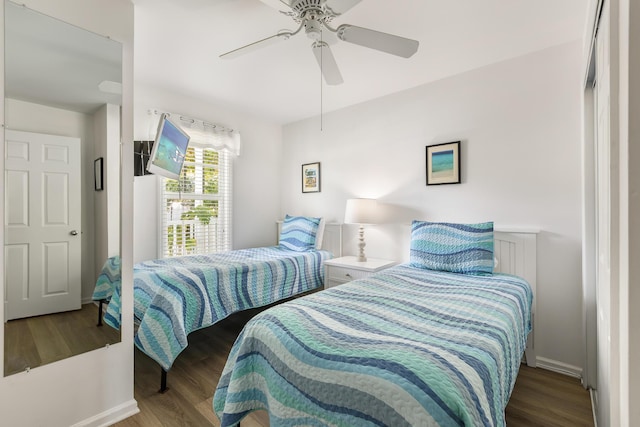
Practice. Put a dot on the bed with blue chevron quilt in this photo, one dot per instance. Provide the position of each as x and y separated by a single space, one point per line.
404 347
176 296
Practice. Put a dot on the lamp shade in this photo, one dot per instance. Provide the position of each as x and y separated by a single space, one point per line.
361 211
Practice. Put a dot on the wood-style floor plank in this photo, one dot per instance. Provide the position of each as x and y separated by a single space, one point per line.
540 398
20 351
35 341
544 398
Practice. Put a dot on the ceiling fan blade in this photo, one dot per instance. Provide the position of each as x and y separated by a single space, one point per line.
327 63
339 7
384 42
277 4
256 45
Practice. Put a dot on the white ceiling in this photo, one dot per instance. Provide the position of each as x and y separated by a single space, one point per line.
50 62
177 43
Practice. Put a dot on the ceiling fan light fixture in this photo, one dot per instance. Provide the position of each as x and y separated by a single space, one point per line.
313 29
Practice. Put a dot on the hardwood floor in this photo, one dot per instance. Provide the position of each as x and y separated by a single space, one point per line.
540 398
545 398
36 341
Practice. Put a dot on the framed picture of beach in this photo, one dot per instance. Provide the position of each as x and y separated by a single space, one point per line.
311 178
443 163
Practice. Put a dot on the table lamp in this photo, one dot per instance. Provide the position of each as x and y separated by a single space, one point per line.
361 212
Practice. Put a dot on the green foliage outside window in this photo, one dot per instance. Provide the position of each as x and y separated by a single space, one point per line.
201 209
203 212
189 244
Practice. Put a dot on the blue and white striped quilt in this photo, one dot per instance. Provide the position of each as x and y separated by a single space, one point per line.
176 296
404 347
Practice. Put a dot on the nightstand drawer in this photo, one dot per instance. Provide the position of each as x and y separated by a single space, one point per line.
343 274
345 269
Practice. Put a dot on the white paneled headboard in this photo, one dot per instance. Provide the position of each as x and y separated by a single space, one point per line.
515 251
331 240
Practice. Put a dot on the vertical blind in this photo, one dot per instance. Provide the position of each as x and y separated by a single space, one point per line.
196 210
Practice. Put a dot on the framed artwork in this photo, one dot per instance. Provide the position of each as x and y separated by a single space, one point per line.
97 174
443 163
311 178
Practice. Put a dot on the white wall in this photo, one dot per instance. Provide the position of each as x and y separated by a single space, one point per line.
84 389
256 172
520 126
107 201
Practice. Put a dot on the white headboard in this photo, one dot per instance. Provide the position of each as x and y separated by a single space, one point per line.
515 251
331 240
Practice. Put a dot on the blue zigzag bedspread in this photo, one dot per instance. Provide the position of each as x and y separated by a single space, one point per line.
404 347
176 296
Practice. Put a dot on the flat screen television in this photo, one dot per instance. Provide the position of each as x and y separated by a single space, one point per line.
169 149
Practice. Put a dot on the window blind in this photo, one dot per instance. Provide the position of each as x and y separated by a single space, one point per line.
197 208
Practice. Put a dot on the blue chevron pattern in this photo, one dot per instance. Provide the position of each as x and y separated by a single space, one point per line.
176 296
404 347
458 248
299 233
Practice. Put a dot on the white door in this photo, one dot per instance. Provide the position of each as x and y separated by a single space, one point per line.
42 224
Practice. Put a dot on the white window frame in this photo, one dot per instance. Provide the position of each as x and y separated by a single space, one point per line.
222 231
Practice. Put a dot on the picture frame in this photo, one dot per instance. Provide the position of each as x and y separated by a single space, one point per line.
97 174
311 177
443 163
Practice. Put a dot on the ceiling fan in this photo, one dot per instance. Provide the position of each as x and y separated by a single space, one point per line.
315 16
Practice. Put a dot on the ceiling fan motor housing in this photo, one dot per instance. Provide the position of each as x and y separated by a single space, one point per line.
313 14
302 6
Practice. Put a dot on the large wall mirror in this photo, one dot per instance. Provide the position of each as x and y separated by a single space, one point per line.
63 88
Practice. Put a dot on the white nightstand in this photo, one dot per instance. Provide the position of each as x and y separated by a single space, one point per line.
345 269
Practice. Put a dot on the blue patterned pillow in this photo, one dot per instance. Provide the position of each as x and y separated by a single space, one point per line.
458 248
299 233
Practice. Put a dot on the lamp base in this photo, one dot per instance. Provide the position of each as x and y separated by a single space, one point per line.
361 244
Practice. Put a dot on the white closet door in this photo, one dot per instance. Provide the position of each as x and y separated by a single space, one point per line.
605 304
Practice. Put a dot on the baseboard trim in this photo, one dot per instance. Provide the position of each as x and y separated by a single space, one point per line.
559 367
111 416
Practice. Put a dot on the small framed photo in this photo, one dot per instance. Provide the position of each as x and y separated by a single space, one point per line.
311 178
97 174
443 163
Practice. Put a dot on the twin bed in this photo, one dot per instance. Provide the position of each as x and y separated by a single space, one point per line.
176 296
435 341
408 346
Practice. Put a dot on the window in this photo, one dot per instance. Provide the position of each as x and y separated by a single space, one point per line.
196 209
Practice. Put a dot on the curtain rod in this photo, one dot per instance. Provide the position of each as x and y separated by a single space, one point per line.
191 120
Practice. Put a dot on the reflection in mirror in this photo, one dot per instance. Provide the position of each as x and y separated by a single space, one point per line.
62 113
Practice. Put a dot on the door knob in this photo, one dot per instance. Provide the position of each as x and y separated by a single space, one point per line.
73 233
